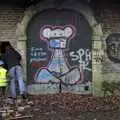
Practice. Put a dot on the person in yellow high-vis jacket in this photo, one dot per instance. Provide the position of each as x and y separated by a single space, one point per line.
3 78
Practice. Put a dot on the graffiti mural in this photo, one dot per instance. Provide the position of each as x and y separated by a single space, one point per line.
59 53
57 69
113 53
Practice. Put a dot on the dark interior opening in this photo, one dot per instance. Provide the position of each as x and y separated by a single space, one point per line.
2 46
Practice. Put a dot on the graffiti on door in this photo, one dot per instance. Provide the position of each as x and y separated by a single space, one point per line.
59 53
58 70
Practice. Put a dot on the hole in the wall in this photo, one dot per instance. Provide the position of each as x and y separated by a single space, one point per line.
86 88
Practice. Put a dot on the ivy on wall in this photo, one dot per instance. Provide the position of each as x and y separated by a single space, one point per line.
111 88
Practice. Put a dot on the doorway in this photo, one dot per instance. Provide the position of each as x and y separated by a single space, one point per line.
70 67
3 44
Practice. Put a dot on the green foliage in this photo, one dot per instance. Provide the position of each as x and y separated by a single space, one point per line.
111 88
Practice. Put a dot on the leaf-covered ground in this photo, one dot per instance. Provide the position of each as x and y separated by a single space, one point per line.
65 106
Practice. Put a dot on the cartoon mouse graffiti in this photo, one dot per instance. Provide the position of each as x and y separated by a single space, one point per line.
57 69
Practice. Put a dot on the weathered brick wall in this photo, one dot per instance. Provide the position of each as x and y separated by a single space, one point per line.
9 17
109 17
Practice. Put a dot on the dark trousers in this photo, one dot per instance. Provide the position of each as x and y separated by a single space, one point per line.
2 91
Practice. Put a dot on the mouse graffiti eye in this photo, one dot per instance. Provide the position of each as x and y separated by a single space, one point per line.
54 43
57 43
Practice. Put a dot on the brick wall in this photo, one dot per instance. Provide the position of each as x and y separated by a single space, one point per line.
109 16
9 17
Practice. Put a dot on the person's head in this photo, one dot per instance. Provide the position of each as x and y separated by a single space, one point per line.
1 63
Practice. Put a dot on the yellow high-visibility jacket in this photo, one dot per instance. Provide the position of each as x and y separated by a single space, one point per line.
3 77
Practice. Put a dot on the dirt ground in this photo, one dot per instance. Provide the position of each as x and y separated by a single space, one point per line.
63 107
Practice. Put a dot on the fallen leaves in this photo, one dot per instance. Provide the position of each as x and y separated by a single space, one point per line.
77 102
64 104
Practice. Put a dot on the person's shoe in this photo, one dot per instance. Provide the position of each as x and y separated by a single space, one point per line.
11 100
23 96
